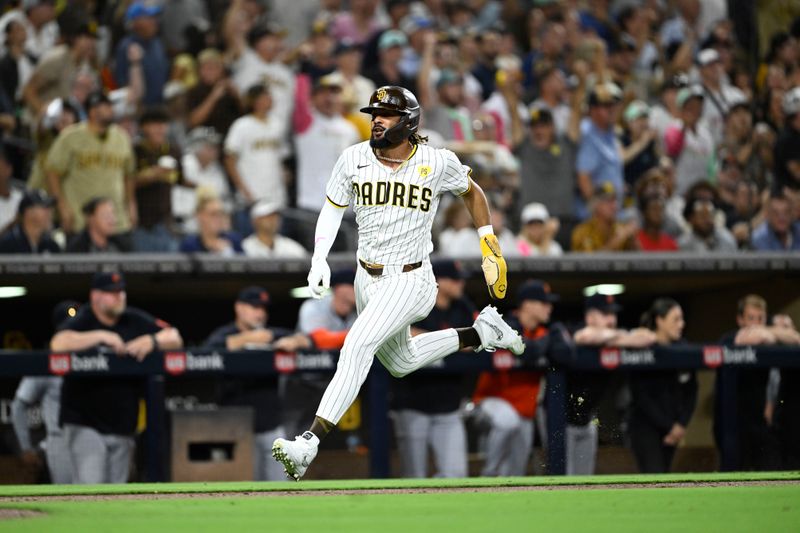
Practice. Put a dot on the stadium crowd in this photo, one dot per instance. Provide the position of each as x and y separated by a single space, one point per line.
212 126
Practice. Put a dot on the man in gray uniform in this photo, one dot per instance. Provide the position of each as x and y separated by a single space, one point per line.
585 390
426 406
44 391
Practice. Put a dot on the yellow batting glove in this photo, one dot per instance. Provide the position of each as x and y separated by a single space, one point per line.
494 267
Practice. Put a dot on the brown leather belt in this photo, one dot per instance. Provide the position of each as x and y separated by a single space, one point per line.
374 269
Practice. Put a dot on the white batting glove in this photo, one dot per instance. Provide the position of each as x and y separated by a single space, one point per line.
319 278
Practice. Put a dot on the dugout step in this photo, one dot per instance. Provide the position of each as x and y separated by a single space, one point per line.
212 445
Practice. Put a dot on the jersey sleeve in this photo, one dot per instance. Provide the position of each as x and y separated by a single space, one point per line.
59 156
233 141
455 176
144 323
339 190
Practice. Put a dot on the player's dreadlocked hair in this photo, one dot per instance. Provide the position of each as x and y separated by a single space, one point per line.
416 138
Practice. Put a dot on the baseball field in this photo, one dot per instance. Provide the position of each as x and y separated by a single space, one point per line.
682 502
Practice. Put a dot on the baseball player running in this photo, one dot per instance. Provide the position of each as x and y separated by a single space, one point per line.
394 183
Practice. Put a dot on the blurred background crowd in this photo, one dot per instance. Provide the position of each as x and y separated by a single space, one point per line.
213 125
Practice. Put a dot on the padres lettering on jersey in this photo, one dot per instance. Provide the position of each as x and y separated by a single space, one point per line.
393 193
395 208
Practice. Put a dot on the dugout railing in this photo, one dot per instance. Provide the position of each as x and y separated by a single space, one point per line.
215 363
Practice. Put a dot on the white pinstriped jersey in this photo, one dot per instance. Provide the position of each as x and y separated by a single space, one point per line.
395 208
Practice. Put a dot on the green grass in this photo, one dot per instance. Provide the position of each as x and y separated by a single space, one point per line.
702 508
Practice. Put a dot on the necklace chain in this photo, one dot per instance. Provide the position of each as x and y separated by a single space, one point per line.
390 159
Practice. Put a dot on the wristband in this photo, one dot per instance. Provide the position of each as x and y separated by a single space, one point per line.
485 230
155 342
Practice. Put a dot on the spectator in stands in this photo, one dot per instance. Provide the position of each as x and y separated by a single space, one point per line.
317 55
99 415
253 153
387 71
756 447
11 192
663 400
141 19
326 321
16 65
536 238
621 62
586 390
201 168
599 160
90 159
213 228
419 30
639 147
488 43
348 72
505 103
604 231
719 94
214 101
58 115
250 330
58 68
634 20
704 235
44 391
38 20
99 235
787 149
685 27
667 112
31 233
545 59
358 23
397 10
266 242
547 162
506 399
320 136
446 114
158 170
781 229
257 55
553 90
690 143
652 237
742 211
426 407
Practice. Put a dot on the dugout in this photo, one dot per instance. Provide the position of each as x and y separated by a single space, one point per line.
196 294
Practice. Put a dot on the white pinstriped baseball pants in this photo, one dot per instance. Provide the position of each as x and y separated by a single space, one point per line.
387 305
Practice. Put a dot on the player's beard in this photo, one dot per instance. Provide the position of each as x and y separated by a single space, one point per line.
379 142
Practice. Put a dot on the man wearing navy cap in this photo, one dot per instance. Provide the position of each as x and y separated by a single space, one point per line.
31 233
509 399
99 415
250 330
584 391
426 406
141 19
